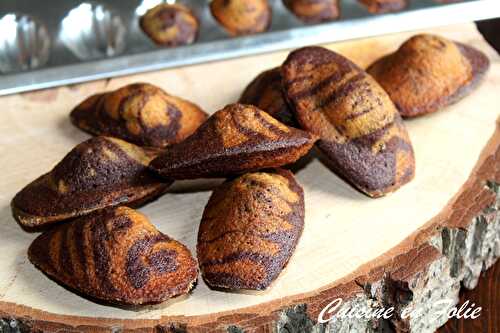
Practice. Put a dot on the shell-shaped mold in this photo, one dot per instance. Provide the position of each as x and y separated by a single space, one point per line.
428 73
384 6
265 93
24 43
249 230
361 132
234 140
314 11
115 255
98 173
93 31
170 24
242 17
140 113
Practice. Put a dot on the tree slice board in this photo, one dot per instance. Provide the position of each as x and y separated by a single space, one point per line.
407 249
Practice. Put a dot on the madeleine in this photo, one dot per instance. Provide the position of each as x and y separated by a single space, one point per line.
98 173
429 72
237 139
361 132
249 230
117 256
140 113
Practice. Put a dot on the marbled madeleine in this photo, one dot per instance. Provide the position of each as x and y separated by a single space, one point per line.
140 113
361 132
249 230
429 72
170 24
242 17
265 93
314 11
237 139
98 173
115 255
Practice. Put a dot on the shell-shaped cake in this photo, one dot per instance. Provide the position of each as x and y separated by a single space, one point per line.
249 230
265 93
140 113
361 132
115 255
237 139
242 17
384 6
170 24
429 72
314 11
98 173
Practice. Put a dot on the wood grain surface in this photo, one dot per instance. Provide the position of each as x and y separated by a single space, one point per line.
349 241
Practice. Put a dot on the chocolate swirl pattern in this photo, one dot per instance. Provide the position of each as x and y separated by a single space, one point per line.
384 6
97 173
140 113
249 230
265 93
170 24
242 17
237 139
314 11
361 132
428 73
115 255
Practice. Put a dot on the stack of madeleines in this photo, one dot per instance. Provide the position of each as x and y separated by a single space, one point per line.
96 244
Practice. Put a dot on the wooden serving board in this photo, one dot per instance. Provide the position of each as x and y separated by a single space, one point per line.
419 242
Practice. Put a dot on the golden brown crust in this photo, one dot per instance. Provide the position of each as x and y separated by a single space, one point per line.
265 93
237 139
140 113
98 173
242 17
361 133
428 73
170 24
249 230
115 255
384 6
314 11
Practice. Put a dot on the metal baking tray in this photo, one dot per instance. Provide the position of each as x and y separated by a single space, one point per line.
47 43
